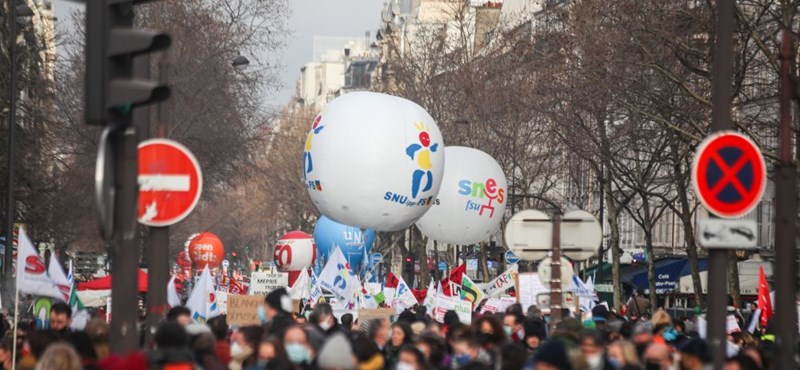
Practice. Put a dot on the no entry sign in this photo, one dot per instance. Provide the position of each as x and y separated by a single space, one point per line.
170 182
729 174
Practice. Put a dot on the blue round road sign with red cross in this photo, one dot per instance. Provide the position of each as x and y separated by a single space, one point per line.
729 174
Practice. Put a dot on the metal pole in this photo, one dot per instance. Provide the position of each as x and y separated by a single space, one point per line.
125 249
786 219
555 273
157 278
721 93
12 122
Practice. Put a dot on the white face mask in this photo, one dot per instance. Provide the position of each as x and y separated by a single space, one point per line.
239 352
405 366
325 325
595 361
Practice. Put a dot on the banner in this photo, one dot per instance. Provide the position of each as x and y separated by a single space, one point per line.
502 282
366 315
261 283
32 277
495 305
243 310
445 303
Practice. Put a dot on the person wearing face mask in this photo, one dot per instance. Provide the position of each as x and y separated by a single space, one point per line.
622 356
243 345
592 345
512 324
275 312
467 352
324 319
435 350
411 358
400 335
378 332
298 349
657 356
271 355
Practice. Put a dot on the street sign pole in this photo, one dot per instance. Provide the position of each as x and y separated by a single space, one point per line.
721 92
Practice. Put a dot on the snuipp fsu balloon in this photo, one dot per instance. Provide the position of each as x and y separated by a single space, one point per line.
373 161
471 201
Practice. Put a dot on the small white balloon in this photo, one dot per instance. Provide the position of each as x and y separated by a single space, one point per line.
471 201
373 161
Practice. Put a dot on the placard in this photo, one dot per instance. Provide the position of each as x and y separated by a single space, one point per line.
222 301
445 303
243 310
529 287
495 305
369 314
261 283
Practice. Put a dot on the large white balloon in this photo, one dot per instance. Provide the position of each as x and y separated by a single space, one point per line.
471 201
373 161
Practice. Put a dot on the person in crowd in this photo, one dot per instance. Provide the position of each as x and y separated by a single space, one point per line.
60 318
467 350
59 356
243 345
593 346
171 348
512 325
275 312
535 333
695 355
490 333
400 336
202 344
433 347
552 355
512 356
180 314
367 354
378 332
347 323
336 353
271 355
642 336
83 345
6 351
451 322
622 356
411 358
534 312
658 356
222 348
98 329
37 342
298 348
324 319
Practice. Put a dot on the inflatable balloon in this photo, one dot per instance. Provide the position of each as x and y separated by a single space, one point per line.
373 161
294 251
206 249
351 240
471 201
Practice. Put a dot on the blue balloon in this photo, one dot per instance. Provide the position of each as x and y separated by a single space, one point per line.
351 240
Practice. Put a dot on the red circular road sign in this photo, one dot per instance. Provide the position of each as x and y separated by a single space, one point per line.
170 182
729 174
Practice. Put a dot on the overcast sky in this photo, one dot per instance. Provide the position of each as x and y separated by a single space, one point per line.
309 18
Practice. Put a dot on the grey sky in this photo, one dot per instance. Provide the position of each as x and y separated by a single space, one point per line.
309 18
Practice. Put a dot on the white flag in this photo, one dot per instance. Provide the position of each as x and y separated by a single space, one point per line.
403 297
581 289
336 277
316 290
31 273
58 276
172 293
430 299
301 288
203 300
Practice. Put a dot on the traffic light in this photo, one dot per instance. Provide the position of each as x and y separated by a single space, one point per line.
408 265
111 45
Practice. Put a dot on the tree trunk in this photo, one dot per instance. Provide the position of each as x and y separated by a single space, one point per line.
613 243
421 255
484 262
648 246
733 279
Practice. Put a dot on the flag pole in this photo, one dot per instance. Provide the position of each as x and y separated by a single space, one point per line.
16 321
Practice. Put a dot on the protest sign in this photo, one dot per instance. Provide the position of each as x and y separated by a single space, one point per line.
445 303
262 283
529 287
243 310
369 314
501 283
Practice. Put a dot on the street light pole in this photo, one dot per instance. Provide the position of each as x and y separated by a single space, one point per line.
14 12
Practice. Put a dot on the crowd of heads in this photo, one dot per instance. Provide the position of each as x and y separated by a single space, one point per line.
316 339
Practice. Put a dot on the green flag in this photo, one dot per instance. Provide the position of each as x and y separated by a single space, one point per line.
470 291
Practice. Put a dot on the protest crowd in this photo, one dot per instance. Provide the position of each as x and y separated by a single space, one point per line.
316 339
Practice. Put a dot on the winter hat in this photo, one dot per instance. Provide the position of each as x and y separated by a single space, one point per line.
279 300
698 348
600 313
553 353
534 328
336 353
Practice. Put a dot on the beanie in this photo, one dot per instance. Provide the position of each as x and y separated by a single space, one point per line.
279 300
336 353
553 353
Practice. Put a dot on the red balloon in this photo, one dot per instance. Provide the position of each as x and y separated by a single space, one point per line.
206 250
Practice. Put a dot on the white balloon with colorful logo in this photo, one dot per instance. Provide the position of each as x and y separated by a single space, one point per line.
294 253
471 201
373 161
